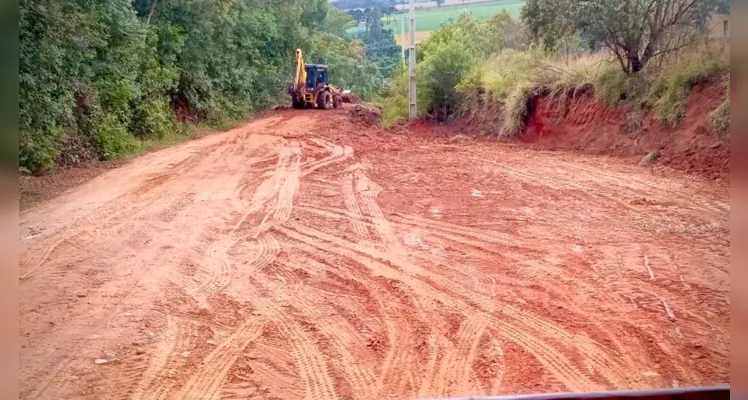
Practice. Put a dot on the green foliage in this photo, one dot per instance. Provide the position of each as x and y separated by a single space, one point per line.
152 118
395 100
635 31
551 20
441 69
501 73
612 86
113 139
337 21
110 73
380 43
348 64
673 85
429 19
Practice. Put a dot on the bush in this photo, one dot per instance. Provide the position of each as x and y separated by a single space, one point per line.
501 73
395 100
113 139
674 83
439 73
107 72
152 118
612 86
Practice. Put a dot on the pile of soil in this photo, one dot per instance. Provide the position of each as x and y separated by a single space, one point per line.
364 115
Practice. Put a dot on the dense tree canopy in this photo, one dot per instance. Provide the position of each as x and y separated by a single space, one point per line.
99 76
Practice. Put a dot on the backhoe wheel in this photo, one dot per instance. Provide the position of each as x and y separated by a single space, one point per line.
325 101
337 102
296 104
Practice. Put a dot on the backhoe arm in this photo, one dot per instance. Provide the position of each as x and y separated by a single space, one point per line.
300 71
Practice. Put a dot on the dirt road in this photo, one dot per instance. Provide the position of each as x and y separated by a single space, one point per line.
355 264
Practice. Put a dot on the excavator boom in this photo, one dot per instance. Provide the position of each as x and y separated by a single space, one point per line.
300 77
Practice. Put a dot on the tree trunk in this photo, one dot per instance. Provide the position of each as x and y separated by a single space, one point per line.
647 55
635 63
153 10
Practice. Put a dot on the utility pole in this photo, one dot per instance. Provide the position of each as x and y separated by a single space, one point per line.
412 110
402 34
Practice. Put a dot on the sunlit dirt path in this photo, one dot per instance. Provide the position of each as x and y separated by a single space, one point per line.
302 256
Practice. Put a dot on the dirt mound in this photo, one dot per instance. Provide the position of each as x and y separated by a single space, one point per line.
365 115
590 127
351 98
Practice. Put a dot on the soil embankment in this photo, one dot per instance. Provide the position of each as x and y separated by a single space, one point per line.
586 125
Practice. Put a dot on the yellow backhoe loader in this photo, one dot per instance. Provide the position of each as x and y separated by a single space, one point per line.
311 88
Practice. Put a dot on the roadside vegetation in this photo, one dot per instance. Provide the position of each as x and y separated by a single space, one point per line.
107 79
557 51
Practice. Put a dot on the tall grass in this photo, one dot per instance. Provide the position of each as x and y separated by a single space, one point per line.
513 77
720 117
673 82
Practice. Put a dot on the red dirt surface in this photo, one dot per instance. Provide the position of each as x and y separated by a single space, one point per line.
590 127
285 259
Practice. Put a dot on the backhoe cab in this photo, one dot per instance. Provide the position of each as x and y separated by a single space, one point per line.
311 87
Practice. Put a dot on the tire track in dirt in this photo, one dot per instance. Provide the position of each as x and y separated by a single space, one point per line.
396 371
368 191
338 154
637 188
456 233
206 381
395 364
551 182
286 191
453 377
533 327
270 186
498 378
461 230
284 181
353 208
361 378
78 231
162 383
312 368
484 283
159 360
545 329
220 268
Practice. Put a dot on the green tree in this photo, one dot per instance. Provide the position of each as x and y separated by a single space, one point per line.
636 31
103 75
439 73
380 43
337 21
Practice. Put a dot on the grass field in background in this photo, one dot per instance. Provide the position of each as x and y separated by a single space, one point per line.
429 19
